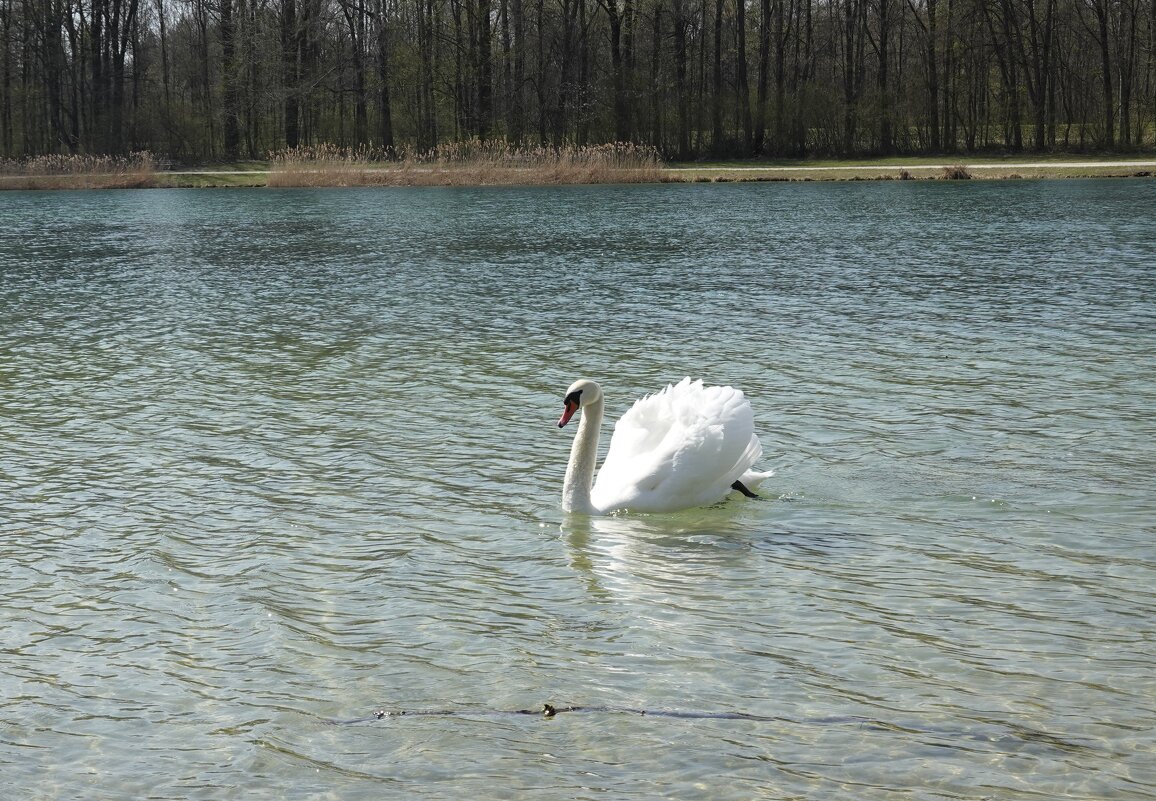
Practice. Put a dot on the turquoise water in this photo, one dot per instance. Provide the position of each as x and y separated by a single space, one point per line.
275 459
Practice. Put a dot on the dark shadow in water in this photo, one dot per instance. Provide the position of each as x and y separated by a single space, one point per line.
1001 737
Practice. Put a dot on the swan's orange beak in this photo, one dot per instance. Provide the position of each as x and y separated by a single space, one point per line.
568 412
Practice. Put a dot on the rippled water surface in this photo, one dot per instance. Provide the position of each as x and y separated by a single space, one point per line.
271 461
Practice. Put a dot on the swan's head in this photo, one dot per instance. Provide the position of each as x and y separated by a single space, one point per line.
581 393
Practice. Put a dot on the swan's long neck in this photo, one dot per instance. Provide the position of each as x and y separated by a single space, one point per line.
583 457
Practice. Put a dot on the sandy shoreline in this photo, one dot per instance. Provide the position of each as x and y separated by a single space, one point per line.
257 175
923 170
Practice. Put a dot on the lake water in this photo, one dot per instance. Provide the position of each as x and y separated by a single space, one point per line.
273 461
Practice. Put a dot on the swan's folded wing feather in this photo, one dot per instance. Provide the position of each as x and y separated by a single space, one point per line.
681 447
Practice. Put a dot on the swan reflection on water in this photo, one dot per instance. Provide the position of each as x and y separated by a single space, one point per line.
631 553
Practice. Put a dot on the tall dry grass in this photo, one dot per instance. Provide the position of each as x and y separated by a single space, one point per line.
472 163
957 172
79 172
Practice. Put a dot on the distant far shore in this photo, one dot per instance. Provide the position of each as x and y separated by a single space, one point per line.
921 169
339 174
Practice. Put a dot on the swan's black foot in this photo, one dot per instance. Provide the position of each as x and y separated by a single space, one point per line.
741 487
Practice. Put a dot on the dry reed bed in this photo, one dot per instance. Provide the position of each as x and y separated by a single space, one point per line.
136 170
465 164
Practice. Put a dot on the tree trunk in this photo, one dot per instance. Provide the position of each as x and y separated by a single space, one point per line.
540 71
427 135
290 71
385 111
854 30
716 105
231 135
1006 56
742 79
682 90
762 81
355 21
484 70
1101 10
580 94
656 132
933 75
518 89
618 70
886 145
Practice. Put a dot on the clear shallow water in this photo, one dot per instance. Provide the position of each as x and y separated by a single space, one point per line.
277 458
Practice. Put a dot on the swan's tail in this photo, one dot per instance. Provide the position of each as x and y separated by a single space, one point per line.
752 478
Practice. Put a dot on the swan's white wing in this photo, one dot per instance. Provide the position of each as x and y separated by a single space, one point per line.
680 448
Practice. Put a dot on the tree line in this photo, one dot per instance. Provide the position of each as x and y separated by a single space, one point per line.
213 80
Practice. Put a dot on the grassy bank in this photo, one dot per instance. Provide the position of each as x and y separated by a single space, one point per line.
922 168
481 164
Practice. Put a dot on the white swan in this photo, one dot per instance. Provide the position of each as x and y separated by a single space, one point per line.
686 446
